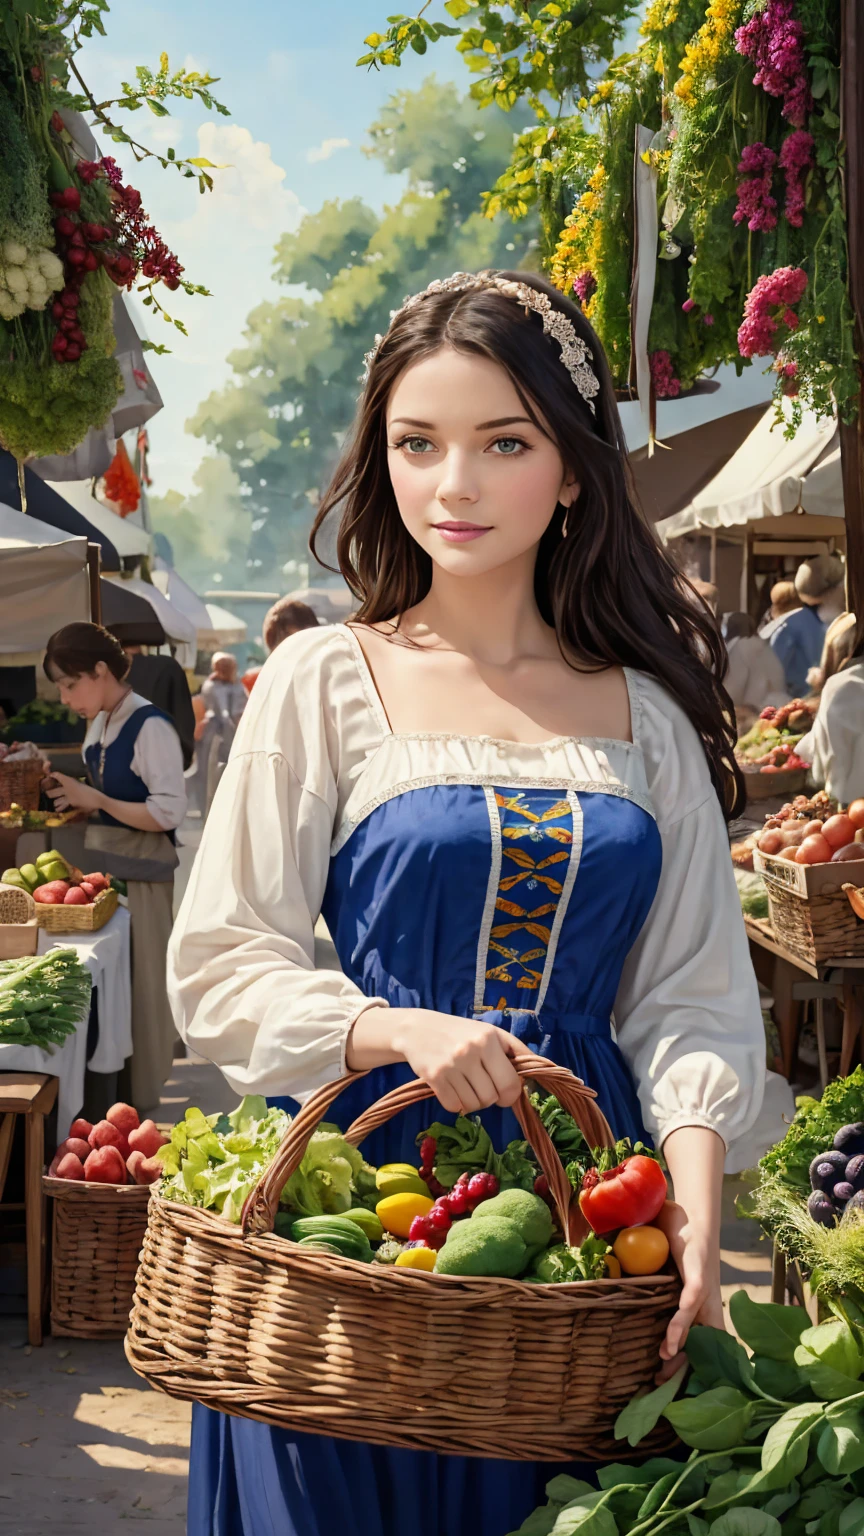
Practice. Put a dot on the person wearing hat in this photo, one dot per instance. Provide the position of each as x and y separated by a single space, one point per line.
799 636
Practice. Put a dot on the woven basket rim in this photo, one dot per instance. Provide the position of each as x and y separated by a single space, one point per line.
389 1273
80 1189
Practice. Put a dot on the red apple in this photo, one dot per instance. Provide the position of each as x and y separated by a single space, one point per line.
76 1144
124 1117
147 1171
147 1139
105 1166
70 1167
80 1128
75 897
107 1135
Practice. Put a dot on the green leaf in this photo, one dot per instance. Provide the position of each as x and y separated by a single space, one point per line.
840 1446
539 1522
829 1358
419 44
769 1329
852 1519
563 1488
725 1487
746 1522
459 8
714 1421
780 1503
777 1378
589 1516
655 1496
157 108
716 1357
697 1526
206 164
618 1473
784 1454
641 1414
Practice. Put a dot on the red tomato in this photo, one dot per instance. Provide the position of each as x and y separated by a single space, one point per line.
626 1196
814 850
839 831
856 813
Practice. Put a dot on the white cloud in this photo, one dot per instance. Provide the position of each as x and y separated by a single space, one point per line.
225 241
326 149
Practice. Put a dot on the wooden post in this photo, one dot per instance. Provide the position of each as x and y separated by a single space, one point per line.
94 567
852 435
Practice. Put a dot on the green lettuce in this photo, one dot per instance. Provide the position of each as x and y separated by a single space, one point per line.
322 1185
215 1161
466 1147
813 1130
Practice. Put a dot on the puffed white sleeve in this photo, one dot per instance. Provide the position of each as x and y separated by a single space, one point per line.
687 1013
242 982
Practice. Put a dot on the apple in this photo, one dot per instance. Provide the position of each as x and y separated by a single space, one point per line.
105 1166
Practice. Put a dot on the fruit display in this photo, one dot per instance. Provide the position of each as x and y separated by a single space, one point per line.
17 819
815 831
440 1218
769 746
121 1149
52 882
43 999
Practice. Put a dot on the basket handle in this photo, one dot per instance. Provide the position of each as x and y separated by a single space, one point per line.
259 1211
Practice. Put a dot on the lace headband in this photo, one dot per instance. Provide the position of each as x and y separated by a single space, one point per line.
575 353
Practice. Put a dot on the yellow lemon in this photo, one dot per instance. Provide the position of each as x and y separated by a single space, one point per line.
416 1258
396 1212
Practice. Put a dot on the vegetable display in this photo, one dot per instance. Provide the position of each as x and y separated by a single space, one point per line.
626 1196
815 831
483 1223
43 1000
776 1439
769 746
53 882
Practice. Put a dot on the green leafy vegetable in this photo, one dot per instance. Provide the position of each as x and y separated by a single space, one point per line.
467 1148
813 1130
215 1161
322 1183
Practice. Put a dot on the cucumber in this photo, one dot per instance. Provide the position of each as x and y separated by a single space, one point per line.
367 1221
345 1235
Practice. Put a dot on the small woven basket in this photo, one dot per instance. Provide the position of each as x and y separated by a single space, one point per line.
20 783
98 1230
809 909
19 930
56 917
254 1325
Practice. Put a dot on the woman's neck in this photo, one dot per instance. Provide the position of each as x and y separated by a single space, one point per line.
113 694
493 618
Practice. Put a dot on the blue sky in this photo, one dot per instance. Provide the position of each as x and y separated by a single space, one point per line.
299 111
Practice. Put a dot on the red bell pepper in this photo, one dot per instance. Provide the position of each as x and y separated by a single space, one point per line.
627 1196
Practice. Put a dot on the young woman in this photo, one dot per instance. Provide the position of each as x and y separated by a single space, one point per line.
137 794
504 785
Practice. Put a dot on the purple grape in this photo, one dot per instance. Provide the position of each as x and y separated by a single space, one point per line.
820 1208
854 1171
850 1139
843 1191
833 1161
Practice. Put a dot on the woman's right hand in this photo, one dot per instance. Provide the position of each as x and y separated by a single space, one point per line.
467 1064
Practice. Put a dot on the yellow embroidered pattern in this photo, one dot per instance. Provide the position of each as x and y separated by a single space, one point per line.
536 843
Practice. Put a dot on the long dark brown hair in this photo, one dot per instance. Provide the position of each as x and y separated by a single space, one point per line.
611 592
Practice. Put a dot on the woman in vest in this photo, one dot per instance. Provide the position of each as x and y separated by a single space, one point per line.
136 798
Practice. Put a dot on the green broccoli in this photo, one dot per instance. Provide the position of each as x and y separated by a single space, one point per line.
525 1211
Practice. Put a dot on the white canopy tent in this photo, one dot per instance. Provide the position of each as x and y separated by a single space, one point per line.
182 597
176 625
769 476
130 540
226 627
44 582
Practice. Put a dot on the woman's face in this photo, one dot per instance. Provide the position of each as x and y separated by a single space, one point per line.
84 695
476 482
225 669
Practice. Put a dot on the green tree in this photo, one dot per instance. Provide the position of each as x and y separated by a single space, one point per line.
279 421
208 531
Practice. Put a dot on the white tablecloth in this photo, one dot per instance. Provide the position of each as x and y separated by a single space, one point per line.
106 955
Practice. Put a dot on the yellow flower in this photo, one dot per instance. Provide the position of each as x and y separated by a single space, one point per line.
820 319
582 104
604 90
702 55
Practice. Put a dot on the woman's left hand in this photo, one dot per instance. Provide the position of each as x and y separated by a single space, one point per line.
698 1262
70 794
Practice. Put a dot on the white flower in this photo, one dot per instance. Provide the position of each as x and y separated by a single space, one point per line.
51 267
14 253
16 280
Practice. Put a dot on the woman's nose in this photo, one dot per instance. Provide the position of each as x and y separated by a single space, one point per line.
457 483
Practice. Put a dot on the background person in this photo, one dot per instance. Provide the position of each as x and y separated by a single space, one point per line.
224 699
784 599
138 798
798 636
755 676
161 679
287 617
834 745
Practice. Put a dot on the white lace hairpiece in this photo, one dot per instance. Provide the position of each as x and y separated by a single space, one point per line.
575 353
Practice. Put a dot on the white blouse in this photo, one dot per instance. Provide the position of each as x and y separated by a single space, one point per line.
834 746
157 758
313 757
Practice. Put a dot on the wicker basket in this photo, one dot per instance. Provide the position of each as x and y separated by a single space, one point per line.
810 913
98 1230
19 930
20 783
56 917
254 1325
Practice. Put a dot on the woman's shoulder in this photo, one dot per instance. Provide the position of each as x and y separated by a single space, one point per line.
676 767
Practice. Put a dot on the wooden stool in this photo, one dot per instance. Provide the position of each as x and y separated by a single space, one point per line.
31 1094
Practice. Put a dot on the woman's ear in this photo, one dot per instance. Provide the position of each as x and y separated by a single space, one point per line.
100 671
569 493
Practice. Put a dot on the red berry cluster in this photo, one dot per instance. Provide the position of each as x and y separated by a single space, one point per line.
469 1191
150 255
76 239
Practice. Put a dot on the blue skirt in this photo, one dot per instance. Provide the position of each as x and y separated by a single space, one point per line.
247 1479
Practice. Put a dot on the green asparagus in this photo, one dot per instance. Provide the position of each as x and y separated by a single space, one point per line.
43 1000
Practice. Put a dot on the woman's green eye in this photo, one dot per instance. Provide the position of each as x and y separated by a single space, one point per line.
509 445
416 444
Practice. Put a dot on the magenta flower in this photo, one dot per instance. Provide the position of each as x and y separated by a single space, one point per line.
767 306
774 40
666 385
585 286
688 305
796 156
707 319
755 203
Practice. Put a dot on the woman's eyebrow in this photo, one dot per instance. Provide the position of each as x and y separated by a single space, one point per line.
482 426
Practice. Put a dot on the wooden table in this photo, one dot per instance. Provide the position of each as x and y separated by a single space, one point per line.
789 993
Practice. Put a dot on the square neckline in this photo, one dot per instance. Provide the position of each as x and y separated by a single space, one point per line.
376 705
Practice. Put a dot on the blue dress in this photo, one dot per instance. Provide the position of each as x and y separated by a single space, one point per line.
513 905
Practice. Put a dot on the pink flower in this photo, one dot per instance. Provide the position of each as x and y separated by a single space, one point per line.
688 305
707 319
666 386
767 306
755 203
585 286
774 40
796 156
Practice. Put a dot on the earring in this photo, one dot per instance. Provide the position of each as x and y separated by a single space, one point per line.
564 524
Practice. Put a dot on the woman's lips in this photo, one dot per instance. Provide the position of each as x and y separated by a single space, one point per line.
460 533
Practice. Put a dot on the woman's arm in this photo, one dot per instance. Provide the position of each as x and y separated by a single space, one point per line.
466 1063
71 794
695 1159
